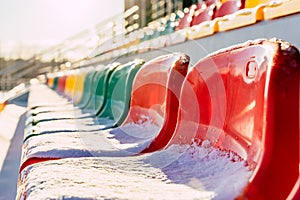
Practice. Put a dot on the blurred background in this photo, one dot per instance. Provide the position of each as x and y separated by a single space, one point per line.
37 36
45 36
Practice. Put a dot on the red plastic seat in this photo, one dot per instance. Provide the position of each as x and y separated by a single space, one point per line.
211 2
184 22
295 194
61 84
245 99
227 8
202 15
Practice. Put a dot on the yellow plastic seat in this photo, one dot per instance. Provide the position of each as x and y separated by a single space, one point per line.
70 83
242 18
201 30
254 3
78 87
281 8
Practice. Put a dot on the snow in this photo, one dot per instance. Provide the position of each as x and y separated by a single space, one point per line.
126 140
179 172
42 95
107 165
9 119
12 119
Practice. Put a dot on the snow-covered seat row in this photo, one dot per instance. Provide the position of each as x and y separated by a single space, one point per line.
154 97
104 106
238 109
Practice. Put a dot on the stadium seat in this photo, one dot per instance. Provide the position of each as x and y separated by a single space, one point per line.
70 84
176 37
281 8
82 88
50 100
2 105
244 17
245 100
254 3
117 97
154 101
211 2
55 82
185 21
226 8
202 30
50 80
97 112
202 15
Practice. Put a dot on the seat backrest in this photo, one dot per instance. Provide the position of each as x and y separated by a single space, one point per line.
227 8
61 83
87 88
245 100
97 98
212 2
78 91
155 92
55 82
254 3
70 84
118 92
184 22
100 71
50 80
202 15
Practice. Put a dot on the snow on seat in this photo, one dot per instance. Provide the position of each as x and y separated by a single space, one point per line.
179 172
108 104
92 102
50 98
281 8
239 110
152 112
245 100
252 12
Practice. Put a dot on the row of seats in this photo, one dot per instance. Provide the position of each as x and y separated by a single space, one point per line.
200 20
243 99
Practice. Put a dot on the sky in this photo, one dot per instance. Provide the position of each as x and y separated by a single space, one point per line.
46 22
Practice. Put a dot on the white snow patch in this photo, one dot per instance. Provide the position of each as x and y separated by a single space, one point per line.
9 119
126 140
179 172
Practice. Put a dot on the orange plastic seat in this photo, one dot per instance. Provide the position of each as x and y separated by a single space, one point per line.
254 3
245 100
70 84
50 81
2 105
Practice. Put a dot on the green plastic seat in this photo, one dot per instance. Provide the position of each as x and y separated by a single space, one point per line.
118 95
87 89
96 97
55 83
